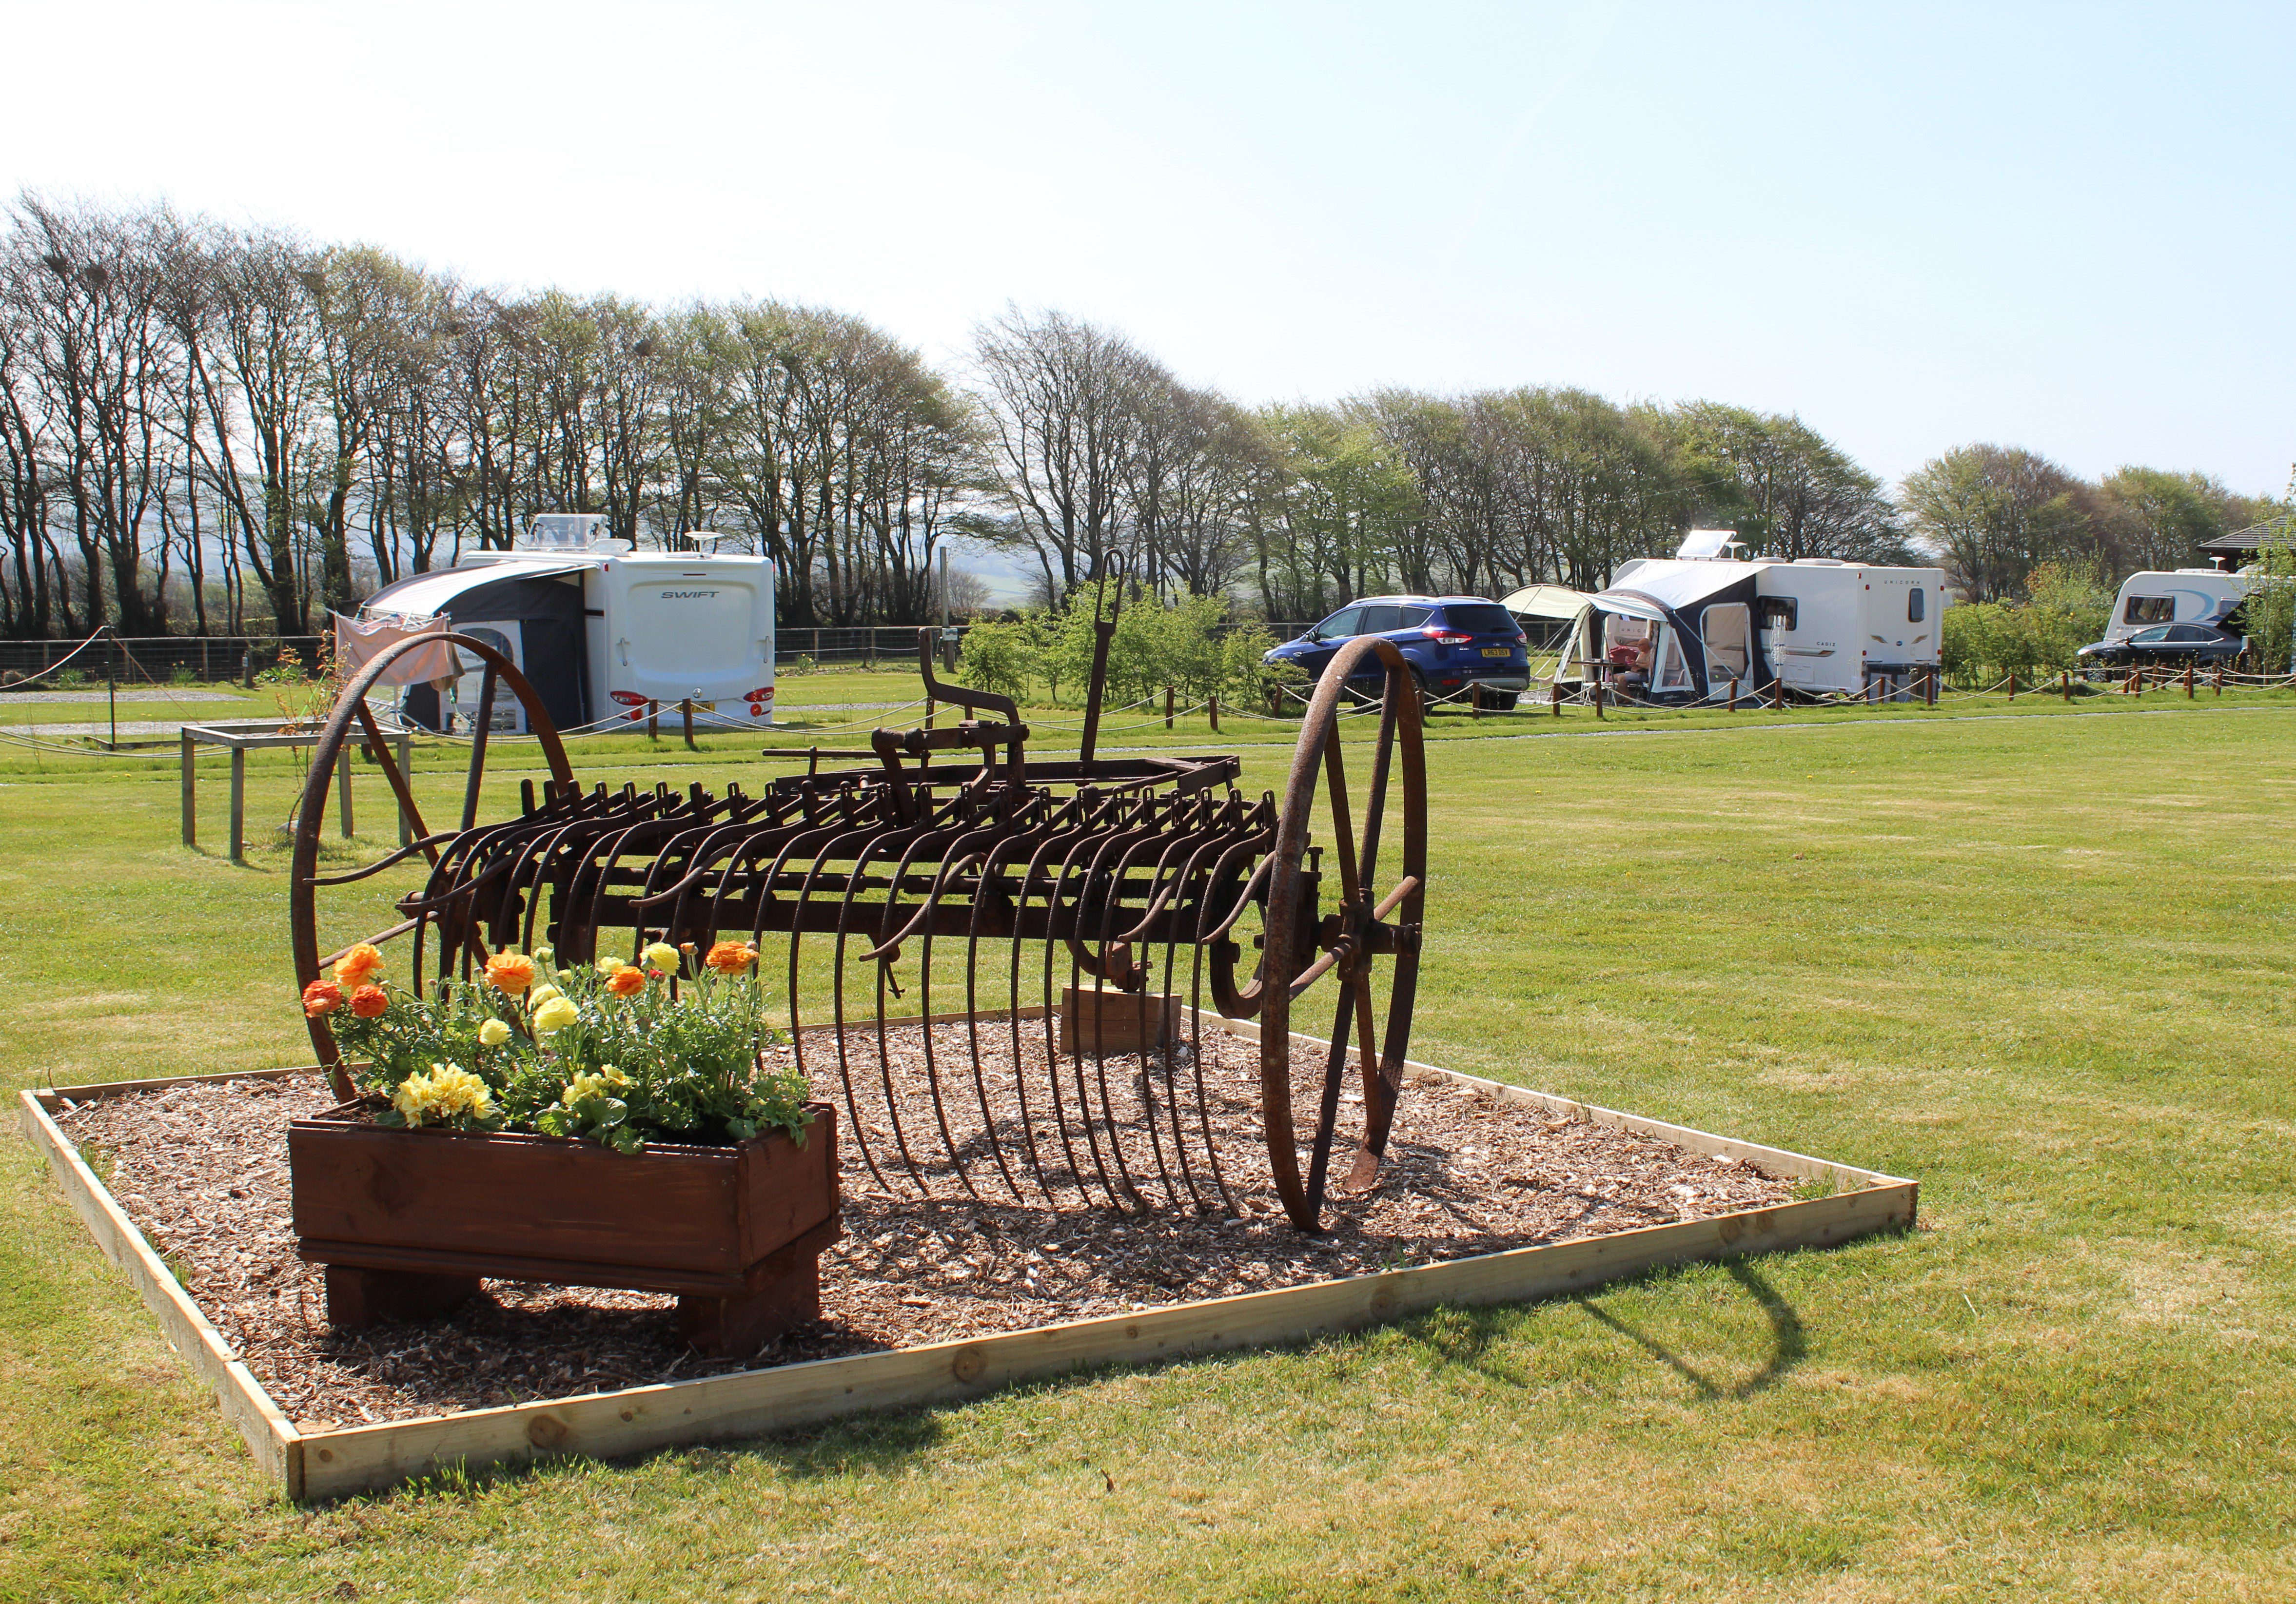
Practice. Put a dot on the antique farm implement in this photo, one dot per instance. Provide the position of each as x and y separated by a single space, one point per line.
1017 953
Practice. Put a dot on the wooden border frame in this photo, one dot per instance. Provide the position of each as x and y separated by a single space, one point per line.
307 1466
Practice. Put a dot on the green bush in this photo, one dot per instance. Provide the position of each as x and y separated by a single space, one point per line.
1185 645
2068 608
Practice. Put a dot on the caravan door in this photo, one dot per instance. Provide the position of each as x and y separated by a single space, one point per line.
461 713
1727 632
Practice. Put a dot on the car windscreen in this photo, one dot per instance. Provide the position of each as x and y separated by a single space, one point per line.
1479 618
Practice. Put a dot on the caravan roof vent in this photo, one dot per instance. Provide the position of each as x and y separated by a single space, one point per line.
564 532
1819 562
1704 545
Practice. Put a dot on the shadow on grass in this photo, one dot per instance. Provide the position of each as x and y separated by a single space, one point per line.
1790 1343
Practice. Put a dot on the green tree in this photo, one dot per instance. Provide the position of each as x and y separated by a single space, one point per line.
1994 513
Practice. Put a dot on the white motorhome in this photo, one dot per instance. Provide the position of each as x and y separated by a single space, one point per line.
601 630
1694 626
2192 595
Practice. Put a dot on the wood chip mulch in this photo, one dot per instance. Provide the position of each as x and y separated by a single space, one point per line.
202 1171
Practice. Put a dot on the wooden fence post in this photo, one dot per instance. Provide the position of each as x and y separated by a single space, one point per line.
1555 693
1213 703
2066 683
2013 684
406 771
685 711
2188 680
190 793
653 728
1598 699
1733 694
343 788
238 802
1168 707
1777 695
2219 676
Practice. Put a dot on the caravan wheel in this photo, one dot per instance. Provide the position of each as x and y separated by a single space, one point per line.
1361 963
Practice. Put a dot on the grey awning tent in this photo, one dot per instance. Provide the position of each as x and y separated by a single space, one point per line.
1677 592
542 597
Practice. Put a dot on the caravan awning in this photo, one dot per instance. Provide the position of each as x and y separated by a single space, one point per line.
1546 602
426 595
1677 584
1631 606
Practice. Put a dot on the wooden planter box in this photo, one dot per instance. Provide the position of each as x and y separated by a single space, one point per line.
407 1222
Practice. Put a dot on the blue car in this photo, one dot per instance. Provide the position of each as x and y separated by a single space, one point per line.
1467 647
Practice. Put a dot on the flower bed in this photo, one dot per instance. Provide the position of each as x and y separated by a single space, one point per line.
622 1124
201 1170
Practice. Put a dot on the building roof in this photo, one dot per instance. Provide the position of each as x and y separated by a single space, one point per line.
2273 531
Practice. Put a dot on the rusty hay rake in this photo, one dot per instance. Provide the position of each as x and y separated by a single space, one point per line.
1119 897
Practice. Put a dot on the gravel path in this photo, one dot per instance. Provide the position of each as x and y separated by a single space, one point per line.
203 1172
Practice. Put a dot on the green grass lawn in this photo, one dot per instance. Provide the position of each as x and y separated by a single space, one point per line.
2036 962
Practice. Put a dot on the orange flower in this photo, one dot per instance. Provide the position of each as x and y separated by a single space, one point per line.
356 967
511 972
626 982
369 1001
731 957
321 997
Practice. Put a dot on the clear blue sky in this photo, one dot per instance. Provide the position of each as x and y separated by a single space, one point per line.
2062 227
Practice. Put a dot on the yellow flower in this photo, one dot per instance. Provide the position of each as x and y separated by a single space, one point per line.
611 966
542 954
555 1015
458 1092
613 1076
445 1092
662 956
566 974
585 1086
541 995
493 1032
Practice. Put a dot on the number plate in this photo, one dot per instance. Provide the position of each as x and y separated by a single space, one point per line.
1498 652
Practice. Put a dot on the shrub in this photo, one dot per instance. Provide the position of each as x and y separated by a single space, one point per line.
995 657
1186 645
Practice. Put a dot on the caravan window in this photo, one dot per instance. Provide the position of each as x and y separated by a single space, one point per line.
1778 612
2149 610
1914 604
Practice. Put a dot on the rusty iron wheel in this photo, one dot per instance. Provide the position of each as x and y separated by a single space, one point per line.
448 905
1363 958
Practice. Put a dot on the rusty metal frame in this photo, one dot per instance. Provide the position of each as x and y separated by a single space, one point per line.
1092 874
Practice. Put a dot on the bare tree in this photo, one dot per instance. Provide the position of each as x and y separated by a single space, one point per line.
1060 399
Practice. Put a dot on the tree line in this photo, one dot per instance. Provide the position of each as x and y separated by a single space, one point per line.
210 429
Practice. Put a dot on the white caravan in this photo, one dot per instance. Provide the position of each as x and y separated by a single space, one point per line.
601 630
2194 595
1694 626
